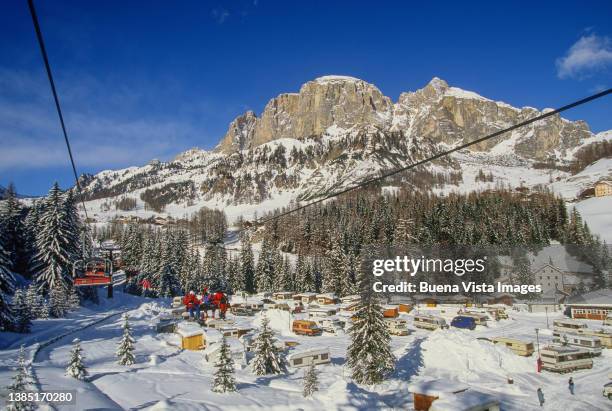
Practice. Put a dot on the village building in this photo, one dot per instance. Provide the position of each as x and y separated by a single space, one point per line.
282 295
603 188
596 305
306 298
192 336
350 299
326 299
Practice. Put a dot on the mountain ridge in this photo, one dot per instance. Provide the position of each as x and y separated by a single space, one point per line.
338 131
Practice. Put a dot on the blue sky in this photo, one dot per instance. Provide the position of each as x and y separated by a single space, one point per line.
142 80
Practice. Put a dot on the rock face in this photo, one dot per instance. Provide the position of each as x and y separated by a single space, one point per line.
437 112
332 100
338 131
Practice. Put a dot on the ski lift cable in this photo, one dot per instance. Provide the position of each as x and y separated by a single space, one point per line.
438 156
43 51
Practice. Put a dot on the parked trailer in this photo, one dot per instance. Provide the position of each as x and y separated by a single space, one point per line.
519 347
608 320
604 336
397 326
565 359
568 326
429 322
310 357
587 342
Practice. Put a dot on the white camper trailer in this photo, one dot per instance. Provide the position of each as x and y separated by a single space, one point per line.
565 359
429 322
310 357
590 343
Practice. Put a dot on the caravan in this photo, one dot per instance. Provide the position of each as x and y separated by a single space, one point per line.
397 326
310 357
429 322
587 342
565 359
568 326
519 347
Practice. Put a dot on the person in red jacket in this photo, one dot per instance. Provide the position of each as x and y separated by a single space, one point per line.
146 285
192 305
223 305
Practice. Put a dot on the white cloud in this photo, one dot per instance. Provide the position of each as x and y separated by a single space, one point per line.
589 54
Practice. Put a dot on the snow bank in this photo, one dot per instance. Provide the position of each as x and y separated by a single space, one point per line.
456 352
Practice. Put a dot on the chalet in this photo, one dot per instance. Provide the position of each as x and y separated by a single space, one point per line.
596 305
426 392
326 299
351 307
499 298
550 278
603 188
310 357
282 295
306 298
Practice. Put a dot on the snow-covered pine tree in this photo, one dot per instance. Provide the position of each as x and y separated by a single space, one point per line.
334 270
369 354
223 380
311 381
125 350
33 300
58 303
55 254
76 368
268 359
21 382
31 224
7 287
265 270
21 311
247 264
12 229
168 285
74 301
72 226
351 268
44 310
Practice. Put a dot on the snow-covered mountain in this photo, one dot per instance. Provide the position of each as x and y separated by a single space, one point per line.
337 131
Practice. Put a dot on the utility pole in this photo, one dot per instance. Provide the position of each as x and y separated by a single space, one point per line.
546 309
539 363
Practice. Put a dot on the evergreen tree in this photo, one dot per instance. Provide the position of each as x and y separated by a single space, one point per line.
168 283
369 354
125 350
7 287
44 310
58 304
334 270
55 254
268 359
23 316
247 264
74 301
76 368
350 285
33 300
223 380
311 383
21 383
265 271
12 231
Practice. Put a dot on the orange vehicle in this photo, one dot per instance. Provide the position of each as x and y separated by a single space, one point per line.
306 327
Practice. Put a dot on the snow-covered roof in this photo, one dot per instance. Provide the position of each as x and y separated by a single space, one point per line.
599 297
308 353
188 329
604 182
564 349
235 346
437 387
331 296
465 401
308 294
349 298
